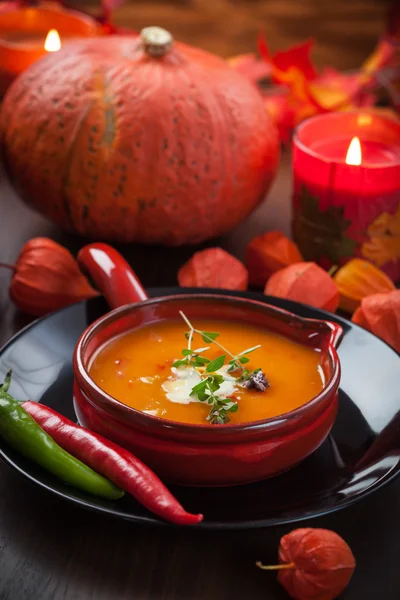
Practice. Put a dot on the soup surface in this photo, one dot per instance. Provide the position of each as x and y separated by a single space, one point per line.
137 369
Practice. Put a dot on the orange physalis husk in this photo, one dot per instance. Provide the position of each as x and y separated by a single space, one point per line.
358 279
268 253
47 277
315 564
304 282
213 268
380 314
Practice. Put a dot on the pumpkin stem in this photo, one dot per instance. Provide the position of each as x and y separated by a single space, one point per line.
6 266
275 567
156 41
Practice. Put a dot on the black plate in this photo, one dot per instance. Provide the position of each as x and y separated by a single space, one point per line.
334 476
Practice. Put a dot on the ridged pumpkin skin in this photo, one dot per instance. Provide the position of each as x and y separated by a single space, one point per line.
113 143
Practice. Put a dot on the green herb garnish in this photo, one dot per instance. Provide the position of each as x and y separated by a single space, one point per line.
207 389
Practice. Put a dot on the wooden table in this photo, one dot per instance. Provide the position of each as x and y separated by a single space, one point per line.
52 550
345 32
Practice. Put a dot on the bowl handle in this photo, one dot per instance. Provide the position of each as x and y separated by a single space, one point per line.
336 333
111 274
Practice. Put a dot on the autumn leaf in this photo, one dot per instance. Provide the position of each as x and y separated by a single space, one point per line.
249 65
383 245
321 233
309 92
380 57
298 57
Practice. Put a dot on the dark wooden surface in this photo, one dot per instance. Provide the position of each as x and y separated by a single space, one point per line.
51 550
345 30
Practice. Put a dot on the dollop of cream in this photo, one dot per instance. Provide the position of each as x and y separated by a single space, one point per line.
183 379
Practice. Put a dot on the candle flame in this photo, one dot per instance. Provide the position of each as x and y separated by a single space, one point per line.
53 42
354 156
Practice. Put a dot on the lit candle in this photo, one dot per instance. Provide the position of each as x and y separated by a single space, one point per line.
23 34
52 42
354 155
347 189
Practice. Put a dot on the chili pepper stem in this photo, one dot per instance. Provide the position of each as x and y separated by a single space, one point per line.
6 266
275 567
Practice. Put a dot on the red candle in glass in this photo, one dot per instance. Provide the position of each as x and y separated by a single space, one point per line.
23 33
347 200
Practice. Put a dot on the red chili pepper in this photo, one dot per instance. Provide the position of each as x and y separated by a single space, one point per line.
112 461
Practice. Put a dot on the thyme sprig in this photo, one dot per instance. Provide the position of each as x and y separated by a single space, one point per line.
206 390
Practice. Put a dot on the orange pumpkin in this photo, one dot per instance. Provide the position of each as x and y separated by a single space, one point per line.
358 279
138 139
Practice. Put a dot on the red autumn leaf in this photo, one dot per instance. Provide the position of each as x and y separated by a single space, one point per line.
268 253
333 90
349 84
304 282
297 56
250 66
380 314
263 49
213 268
381 57
309 92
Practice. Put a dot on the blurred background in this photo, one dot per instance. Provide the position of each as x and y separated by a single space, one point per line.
345 31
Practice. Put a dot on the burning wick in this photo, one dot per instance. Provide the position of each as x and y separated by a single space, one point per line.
353 156
53 42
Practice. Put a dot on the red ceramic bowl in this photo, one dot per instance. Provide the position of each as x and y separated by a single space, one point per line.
200 454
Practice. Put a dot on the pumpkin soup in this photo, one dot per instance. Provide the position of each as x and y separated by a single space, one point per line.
191 374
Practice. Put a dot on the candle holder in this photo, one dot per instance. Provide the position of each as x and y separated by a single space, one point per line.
342 210
23 33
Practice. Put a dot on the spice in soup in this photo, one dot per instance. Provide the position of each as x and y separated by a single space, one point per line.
194 375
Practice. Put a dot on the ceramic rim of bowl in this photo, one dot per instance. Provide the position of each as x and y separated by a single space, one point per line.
82 375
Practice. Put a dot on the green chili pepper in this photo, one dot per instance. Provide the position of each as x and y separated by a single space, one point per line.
23 434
